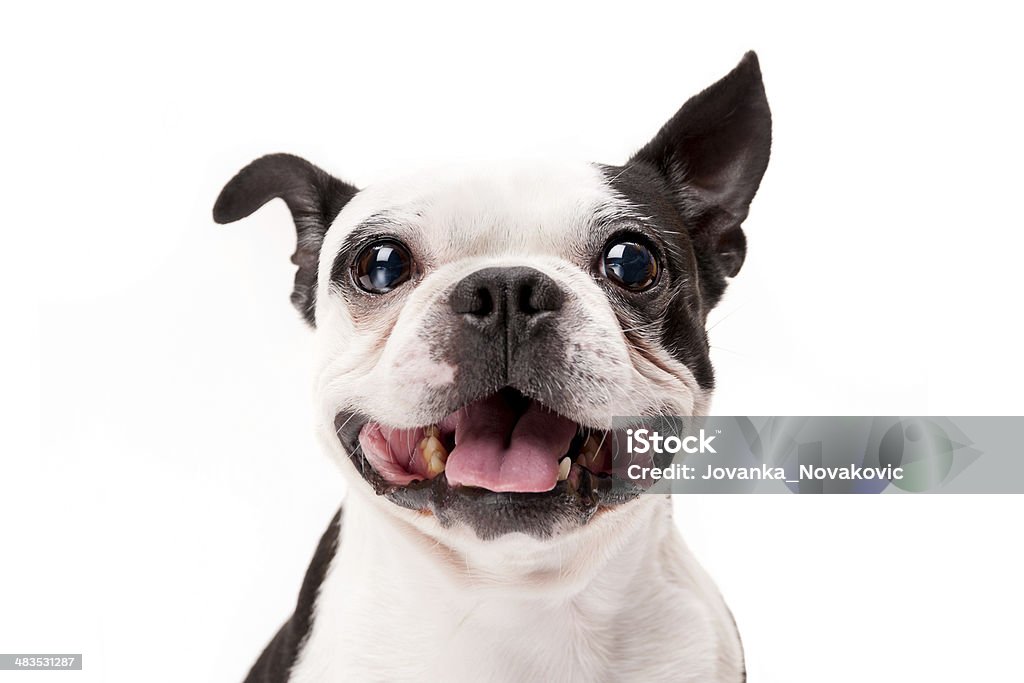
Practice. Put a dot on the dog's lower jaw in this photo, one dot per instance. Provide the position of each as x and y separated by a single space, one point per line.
618 599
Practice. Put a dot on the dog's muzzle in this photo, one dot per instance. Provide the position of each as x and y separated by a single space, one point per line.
500 456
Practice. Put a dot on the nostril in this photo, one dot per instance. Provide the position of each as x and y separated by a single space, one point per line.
473 297
538 296
526 303
483 303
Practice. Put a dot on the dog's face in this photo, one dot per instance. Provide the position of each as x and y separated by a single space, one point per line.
477 329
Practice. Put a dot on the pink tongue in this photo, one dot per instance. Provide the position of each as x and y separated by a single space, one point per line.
500 450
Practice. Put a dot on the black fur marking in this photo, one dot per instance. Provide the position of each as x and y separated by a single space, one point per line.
314 198
277 660
676 308
693 183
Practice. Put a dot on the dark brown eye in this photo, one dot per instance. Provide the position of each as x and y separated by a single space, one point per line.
382 266
630 265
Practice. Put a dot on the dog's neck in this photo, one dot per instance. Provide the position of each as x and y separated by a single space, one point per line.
615 542
574 607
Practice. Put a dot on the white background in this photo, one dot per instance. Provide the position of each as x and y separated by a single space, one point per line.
160 488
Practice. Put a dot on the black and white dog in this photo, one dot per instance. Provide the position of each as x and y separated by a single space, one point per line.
476 330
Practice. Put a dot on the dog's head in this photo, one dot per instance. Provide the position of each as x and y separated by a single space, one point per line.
477 329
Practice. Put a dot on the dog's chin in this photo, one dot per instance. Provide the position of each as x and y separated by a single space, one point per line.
505 463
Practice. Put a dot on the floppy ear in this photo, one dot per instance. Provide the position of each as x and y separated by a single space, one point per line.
713 153
313 196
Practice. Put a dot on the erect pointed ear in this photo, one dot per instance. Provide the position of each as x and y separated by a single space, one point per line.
313 196
713 153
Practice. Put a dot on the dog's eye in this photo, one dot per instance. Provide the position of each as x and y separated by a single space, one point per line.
629 264
382 266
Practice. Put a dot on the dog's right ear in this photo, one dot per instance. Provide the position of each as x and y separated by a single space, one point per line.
314 198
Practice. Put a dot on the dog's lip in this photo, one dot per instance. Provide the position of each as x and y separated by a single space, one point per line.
584 492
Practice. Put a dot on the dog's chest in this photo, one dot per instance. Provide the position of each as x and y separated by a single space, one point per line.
384 613
411 625
487 639
459 642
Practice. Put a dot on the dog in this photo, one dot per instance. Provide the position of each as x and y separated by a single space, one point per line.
476 330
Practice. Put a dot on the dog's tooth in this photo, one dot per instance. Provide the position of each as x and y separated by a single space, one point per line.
439 449
589 451
435 466
433 431
433 453
563 468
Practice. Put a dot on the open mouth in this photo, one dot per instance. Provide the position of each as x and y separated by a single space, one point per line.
504 462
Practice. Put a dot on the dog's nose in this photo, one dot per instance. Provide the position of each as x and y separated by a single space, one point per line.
506 297
506 329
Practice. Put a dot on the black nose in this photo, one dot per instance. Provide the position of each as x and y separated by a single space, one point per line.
506 297
506 330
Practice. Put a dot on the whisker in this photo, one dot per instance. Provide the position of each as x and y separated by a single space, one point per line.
725 317
722 348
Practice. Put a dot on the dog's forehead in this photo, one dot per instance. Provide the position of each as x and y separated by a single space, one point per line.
484 208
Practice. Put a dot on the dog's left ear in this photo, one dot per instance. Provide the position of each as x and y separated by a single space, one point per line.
713 153
314 198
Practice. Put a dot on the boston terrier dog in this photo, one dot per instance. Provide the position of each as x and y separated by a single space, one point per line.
476 330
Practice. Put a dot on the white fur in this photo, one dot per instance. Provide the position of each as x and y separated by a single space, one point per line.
618 599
